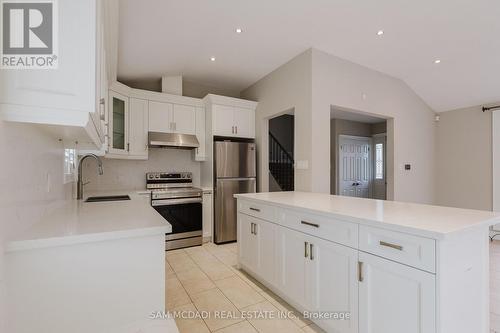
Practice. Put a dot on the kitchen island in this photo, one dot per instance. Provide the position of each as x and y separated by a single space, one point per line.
88 267
362 265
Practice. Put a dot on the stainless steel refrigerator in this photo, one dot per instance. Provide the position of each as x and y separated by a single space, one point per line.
235 172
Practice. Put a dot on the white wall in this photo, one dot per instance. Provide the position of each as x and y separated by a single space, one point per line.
343 84
131 174
284 89
29 158
464 159
314 81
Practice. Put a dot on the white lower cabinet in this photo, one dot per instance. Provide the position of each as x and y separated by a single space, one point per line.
343 289
208 203
291 254
247 243
395 298
256 245
332 286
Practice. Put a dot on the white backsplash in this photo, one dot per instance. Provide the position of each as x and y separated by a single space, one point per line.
31 183
131 174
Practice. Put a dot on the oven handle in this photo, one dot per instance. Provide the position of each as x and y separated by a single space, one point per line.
170 202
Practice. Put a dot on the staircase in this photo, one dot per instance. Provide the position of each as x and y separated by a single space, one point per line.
280 164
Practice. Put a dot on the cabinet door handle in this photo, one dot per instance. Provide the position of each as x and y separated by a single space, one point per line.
360 271
310 224
251 228
392 246
128 146
255 209
236 129
306 254
255 229
175 126
311 255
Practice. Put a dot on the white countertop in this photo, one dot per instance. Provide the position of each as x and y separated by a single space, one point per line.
425 220
77 221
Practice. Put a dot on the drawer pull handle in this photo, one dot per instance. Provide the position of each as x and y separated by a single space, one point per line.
310 224
392 246
255 209
306 254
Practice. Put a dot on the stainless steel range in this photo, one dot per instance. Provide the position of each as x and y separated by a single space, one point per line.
175 198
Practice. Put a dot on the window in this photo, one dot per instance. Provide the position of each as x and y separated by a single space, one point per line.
379 161
69 165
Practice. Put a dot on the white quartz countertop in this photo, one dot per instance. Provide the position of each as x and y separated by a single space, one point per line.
434 222
77 221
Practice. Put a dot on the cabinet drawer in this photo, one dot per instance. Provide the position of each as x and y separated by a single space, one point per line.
418 252
323 227
258 210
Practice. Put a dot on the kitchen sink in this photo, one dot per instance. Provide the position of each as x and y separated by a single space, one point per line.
108 198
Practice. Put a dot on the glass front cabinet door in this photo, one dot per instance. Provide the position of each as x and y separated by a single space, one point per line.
118 123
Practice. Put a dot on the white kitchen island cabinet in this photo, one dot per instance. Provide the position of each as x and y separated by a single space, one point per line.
369 266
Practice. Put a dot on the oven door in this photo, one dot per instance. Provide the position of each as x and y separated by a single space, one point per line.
185 216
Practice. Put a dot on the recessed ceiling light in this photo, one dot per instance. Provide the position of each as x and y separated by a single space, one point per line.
212 58
239 31
380 32
437 61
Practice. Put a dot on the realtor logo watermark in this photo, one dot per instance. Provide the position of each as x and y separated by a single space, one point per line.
29 34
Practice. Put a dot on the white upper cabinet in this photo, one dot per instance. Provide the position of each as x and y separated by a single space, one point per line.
223 120
160 117
128 121
231 117
172 118
184 119
233 121
395 298
68 96
118 124
200 153
244 122
138 128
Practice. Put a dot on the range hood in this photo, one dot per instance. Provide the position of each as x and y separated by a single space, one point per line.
172 140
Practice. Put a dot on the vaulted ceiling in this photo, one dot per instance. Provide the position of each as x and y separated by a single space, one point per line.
179 37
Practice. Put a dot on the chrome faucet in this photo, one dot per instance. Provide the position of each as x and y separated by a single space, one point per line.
80 184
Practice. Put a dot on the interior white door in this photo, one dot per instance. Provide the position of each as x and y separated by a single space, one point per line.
379 166
160 117
244 122
247 242
138 128
333 285
395 298
355 172
184 119
223 120
292 251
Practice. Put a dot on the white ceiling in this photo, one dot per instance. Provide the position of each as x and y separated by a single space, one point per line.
179 37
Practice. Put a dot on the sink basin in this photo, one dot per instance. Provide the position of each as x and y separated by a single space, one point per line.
108 198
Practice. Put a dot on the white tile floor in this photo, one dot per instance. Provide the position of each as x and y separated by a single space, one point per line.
206 279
